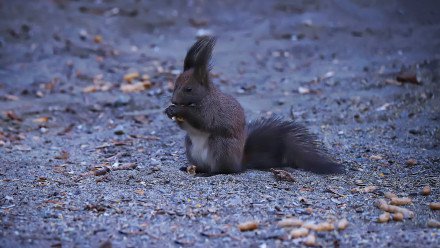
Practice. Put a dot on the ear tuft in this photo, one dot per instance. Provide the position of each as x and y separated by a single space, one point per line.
198 58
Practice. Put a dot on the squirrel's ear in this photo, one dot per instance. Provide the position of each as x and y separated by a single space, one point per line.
198 58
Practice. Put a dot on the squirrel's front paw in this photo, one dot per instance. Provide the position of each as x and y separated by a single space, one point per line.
173 113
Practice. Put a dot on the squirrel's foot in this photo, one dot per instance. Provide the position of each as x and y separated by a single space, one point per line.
191 169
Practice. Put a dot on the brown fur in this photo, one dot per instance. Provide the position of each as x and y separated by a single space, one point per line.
218 140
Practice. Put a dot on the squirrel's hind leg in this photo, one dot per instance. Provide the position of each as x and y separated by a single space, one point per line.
226 155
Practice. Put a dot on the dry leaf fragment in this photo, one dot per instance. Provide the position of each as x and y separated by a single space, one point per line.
96 207
137 87
42 179
141 119
359 183
282 175
105 86
125 166
407 78
376 157
214 233
310 225
97 171
11 97
334 191
342 224
41 119
102 171
325 227
310 240
59 168
303 200
121 142
433 223
12 116
398 217
400 201
390 195
367 189
290 222
139 191
385 217
434 205
303 90
299 232
131 76
90 89
146 77
64 155
392 81
25 148
383 107
383 205
426 190
328 74
248 226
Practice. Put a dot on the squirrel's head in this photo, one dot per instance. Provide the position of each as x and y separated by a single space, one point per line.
194 83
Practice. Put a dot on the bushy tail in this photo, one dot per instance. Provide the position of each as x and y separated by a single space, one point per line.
276 143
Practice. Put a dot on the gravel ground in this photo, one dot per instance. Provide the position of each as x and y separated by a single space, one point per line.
361 75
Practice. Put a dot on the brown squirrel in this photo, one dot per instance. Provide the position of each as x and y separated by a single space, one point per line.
218 139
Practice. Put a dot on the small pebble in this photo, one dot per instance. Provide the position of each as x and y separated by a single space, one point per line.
433 223
383 218
411 162
426 190
398 217
342 224
434 205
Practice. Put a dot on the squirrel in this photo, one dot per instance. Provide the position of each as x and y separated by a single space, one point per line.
218 141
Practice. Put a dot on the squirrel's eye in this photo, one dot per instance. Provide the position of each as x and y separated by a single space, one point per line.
188 89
